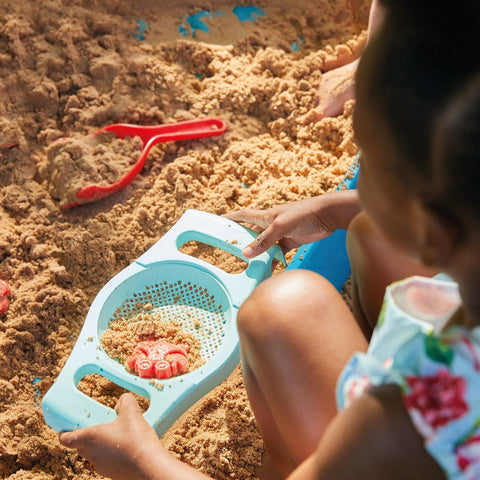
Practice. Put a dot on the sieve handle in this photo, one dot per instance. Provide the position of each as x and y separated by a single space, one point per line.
221 233
66 408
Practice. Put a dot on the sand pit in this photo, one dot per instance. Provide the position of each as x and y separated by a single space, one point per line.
68 68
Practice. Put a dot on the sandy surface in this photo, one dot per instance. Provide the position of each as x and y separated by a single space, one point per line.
68 68
73 163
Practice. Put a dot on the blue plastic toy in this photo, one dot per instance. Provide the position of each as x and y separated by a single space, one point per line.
328 257
185 289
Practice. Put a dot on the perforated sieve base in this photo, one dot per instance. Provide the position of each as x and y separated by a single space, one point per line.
201 298
188 305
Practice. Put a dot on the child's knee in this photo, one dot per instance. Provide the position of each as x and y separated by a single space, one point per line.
280 302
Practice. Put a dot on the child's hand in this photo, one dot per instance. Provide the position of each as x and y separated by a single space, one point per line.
123 449
295 224
336 87
291 225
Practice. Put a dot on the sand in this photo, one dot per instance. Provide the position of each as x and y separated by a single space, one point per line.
74 163
68 68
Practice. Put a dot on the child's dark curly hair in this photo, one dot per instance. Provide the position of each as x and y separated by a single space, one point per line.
420 75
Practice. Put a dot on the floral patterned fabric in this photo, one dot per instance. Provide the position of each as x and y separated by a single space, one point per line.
437 369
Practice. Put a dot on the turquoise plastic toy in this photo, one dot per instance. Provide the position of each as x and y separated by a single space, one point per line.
183 288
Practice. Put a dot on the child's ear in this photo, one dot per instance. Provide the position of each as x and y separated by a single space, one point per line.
442 236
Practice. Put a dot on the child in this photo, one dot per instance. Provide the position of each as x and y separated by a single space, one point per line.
408 405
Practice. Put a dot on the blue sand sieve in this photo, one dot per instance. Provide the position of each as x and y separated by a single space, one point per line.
201 298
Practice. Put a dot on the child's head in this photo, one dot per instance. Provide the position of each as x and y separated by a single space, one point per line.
417 120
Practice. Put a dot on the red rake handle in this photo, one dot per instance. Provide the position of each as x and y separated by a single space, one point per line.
150 135
205 127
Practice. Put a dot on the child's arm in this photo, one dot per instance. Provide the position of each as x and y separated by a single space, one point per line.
297 223
372 439
128 448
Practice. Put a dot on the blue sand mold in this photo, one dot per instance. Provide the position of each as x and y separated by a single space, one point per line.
250 13
328 257
141 30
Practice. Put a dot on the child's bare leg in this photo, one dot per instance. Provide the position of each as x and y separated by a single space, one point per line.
375 264
296 335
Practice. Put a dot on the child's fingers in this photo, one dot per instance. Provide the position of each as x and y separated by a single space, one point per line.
254 217
262 243
258 219
71 439
127 405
